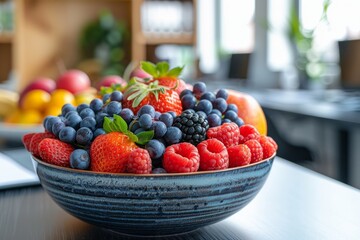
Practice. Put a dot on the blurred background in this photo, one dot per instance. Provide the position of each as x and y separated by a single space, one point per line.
298 58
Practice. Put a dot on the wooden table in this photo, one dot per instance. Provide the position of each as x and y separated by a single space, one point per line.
295 203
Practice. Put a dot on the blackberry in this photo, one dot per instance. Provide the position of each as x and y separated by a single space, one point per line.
193 127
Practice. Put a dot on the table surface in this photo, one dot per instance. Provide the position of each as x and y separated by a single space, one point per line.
295 203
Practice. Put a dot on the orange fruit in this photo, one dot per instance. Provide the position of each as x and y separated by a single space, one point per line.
59 97
53 110
249 110
30 117
35 100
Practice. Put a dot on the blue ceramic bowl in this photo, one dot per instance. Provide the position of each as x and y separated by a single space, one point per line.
161 204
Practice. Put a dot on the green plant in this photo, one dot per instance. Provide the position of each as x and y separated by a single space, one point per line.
104 39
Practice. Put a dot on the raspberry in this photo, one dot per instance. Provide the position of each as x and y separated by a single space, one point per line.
181 158
228 134
239 155
248 132
255 149
139 161
269 146
193 126
213 155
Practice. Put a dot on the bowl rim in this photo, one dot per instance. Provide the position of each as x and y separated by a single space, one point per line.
73 170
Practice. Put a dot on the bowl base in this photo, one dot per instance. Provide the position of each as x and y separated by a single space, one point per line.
147 236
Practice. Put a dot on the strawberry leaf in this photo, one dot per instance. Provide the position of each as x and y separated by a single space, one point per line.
162 68
139 98
149 67
108 125
144 137
175 72
120 124
132 136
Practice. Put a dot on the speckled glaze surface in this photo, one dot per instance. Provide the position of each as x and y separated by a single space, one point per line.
162 204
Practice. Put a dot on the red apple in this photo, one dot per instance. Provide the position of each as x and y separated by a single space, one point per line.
138 72
75 81
109 80
41 83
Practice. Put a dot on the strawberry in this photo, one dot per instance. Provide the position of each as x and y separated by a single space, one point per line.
161 98
109 151
162 73
36 139
228 133
26 139
55 152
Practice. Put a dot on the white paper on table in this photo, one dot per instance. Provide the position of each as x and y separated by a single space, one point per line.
13 174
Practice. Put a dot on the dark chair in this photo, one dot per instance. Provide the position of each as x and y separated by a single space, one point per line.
239 65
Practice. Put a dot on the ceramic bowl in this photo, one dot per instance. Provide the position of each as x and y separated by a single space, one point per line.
153 205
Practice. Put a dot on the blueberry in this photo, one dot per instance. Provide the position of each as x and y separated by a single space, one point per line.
225 120
231 115
56 128
232 107
73 121
80 159
201 113
220 104
88 122
159 129
106 98
98 132
198 89
173 114
81 107
116 96
158 170
239 122
173 135
188 101
100 119
185 92
50 122
205 106
139 130
134 125
45 120
147 109
166 118
155 148
217 112
96 105
157 115
145 121
188 111
208 96
113 108
222 93
67 108
67 134
84 136
87 112
214 120
71 113
127 114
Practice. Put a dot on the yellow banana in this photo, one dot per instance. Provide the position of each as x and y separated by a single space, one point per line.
8 102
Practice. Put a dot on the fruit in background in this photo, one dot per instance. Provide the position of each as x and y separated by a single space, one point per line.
249 110
59 97
109 80
8 102
35 100
46 84
74 81
139 73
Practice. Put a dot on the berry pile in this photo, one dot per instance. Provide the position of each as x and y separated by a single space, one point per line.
150 128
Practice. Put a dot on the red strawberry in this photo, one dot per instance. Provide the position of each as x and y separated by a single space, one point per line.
255 149
269 146
213 155
248 132
165 76
26 139
36 139
228 133
109 152
55 152
139 162
181 158
160 97
239 155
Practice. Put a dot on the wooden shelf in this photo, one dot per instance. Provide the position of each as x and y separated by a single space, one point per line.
6 37
158 39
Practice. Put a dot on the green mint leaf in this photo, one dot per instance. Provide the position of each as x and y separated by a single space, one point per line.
149 67
175 72
162 68
145 137
132 136
107 126
120 124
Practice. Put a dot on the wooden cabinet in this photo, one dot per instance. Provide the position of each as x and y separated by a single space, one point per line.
47 32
